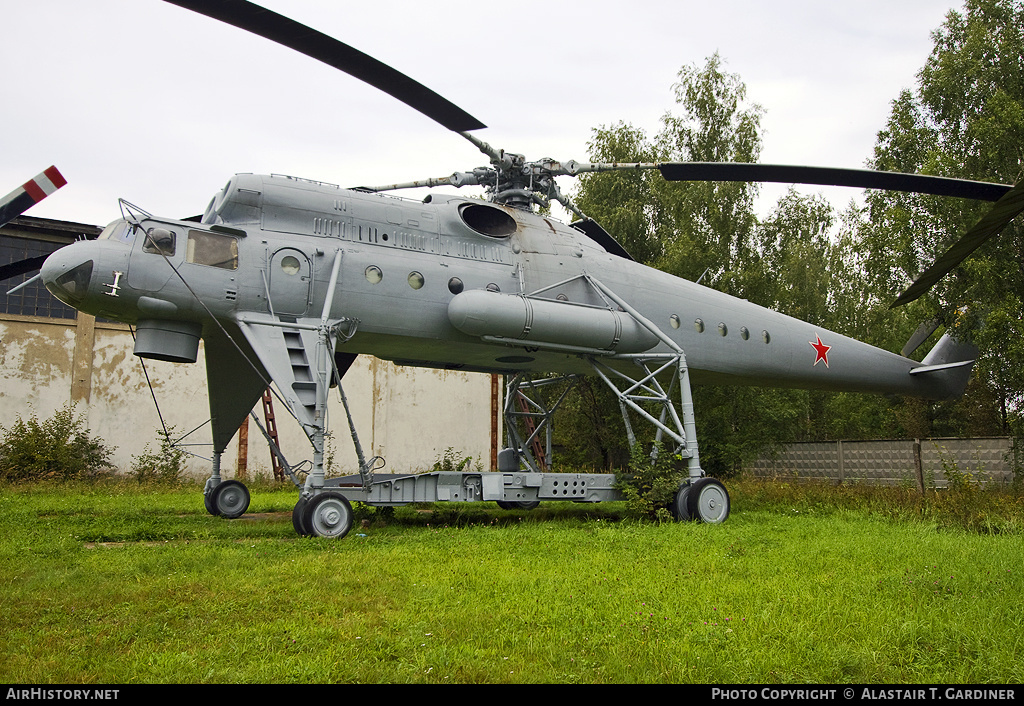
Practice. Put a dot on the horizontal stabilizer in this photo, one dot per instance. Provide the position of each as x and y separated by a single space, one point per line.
947 367
944 366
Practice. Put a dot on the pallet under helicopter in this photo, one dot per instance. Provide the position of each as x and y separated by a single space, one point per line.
286 281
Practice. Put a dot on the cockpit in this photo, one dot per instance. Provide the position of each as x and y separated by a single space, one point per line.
120 230
201 247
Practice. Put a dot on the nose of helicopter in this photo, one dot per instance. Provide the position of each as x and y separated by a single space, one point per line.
67 273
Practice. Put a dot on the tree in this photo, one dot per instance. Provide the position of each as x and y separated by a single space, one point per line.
965 119
696 230
685 228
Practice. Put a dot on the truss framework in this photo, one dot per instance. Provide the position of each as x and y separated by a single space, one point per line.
637 394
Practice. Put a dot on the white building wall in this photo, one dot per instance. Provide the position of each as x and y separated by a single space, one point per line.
408 416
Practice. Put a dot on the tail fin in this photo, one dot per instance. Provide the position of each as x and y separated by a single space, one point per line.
948 366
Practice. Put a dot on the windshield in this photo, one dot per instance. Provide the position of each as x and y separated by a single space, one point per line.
120 230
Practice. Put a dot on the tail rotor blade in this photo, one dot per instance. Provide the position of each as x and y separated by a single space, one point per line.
926 329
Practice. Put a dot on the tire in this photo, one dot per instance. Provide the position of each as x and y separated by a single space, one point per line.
518 504
328 515
300 507
678 507
208 502
230 499
708 501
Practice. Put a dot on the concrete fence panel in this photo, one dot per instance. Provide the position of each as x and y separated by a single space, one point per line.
893 462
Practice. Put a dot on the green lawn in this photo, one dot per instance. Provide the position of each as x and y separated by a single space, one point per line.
112 583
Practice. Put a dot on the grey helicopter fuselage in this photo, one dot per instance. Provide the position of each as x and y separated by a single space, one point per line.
451 283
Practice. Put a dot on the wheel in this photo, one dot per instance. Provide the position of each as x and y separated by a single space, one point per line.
518 504
678 506
707 501
300 507
328 515
230 499
208 501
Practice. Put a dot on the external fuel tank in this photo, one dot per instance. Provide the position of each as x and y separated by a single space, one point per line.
540 321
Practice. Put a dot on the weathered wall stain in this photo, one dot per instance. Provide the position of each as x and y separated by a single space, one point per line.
35 369
409 416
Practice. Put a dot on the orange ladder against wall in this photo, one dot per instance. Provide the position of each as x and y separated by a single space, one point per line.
268 416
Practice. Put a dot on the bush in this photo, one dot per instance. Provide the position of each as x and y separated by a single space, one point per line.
450 462
164 466
650 486
56 448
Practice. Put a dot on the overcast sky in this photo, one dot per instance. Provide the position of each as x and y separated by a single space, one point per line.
146 101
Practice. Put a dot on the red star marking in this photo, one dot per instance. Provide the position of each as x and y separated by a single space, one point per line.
820 351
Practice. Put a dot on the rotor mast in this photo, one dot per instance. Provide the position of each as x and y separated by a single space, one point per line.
513 181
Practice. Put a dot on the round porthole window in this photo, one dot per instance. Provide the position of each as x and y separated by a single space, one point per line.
723 330
290 265
415 280
699 325
492 287
455 285
744 333
673 321
373 274
766 337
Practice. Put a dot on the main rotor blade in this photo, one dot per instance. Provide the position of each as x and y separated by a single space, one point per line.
287 32
829 176
990 224
593 230
29 194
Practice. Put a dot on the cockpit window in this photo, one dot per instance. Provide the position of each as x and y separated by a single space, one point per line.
119 230
212 249
71 286
159 241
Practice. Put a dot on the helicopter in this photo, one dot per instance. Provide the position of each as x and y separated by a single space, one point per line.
285 281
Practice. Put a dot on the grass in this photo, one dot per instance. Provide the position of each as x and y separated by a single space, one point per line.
119 583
